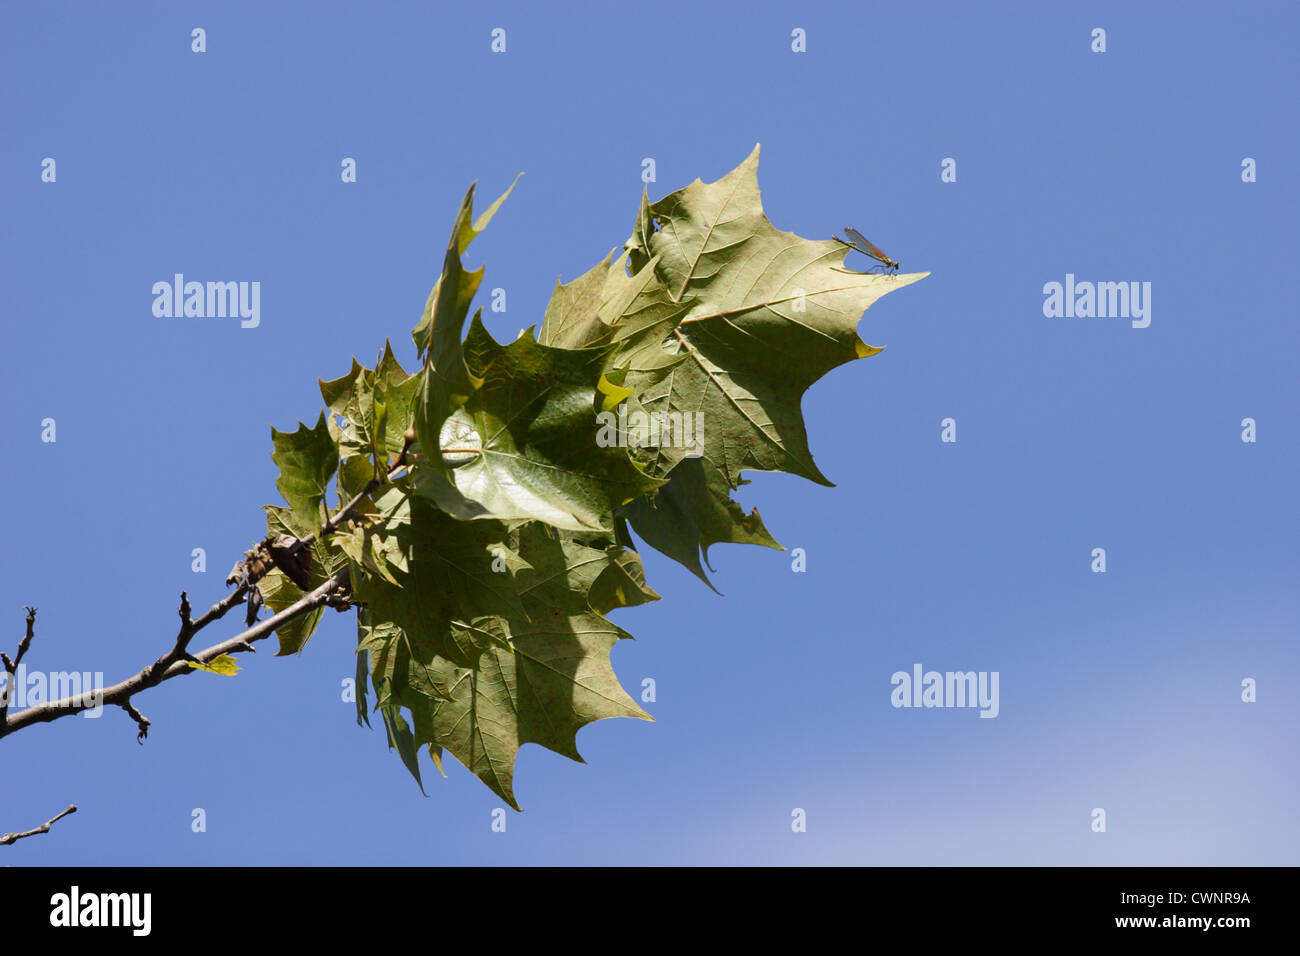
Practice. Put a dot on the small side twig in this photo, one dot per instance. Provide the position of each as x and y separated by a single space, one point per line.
332 523
9 839
174 663
11 666
274 551
141 721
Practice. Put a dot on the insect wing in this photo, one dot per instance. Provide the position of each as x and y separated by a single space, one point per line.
863 245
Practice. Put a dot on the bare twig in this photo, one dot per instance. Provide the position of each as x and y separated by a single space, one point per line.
141 721
175 663
9 839
172 664
11 666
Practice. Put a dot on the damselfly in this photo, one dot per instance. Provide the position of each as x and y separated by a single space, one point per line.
860 242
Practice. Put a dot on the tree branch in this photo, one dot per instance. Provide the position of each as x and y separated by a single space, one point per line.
173 664
9 839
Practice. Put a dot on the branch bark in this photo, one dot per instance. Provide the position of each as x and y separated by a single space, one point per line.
173 663
11 666
8 839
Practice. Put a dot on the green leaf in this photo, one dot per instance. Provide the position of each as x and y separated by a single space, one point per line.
371 539
397 390
363 673
372 403
402 740
351 397
693 512
223 665
620 578
509 432
438 333
487 660
450 567
555 680
307 459
762 315
524 445
354 474
444 381
573 316
279 593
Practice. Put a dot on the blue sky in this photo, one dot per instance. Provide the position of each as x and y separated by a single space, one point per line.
1119 691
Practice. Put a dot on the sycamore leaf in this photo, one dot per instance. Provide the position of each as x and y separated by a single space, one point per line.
572 319
307 459
359 689
351 397
402 740
732 321
524 444
435 754
444 382
555 679
371 402
279 593
370 540
764 314
354 474
588 311
223 664
611 393
693 512
509 432
437 335
450 569
579 317
487 660
620 578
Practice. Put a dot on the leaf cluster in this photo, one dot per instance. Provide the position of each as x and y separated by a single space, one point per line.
500 486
